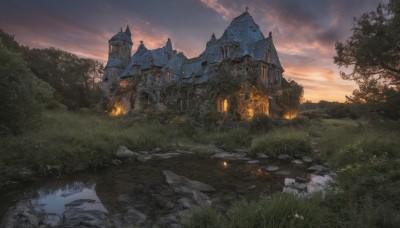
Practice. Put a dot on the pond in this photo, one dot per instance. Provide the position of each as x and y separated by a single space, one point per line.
147 193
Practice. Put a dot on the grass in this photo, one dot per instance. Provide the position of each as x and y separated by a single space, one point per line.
282 141
366 157
73 139
280 210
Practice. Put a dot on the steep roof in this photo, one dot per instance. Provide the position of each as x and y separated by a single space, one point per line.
243 29
122 36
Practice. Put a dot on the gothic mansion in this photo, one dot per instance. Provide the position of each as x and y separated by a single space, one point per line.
155 79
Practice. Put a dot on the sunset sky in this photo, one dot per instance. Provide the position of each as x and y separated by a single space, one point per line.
304 32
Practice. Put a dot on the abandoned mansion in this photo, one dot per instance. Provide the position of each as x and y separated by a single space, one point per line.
238 73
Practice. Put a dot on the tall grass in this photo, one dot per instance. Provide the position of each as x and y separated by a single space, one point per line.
73 139
282 141
280 210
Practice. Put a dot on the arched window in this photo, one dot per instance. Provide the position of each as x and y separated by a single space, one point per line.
222 104
263 72
168 76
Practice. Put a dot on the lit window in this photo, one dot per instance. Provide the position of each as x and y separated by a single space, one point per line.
222 104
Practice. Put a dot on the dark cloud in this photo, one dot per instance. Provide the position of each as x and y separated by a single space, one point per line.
304 32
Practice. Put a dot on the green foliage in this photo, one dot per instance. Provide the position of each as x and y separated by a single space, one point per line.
280 210
283 141
230 139
75 139
202 217
373 54
291 97
77 80
22 94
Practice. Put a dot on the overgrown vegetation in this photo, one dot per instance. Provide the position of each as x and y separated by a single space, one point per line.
366 156
22 94
282 141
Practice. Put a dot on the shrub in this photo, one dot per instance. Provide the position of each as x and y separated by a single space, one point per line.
282 141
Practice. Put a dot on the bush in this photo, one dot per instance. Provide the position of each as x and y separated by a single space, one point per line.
22 94
283 141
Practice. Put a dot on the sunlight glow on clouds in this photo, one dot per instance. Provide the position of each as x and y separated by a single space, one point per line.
304 32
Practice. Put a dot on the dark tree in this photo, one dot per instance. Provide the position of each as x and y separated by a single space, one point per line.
373 54
77 80
22 94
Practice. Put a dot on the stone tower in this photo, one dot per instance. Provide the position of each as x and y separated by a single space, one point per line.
119 55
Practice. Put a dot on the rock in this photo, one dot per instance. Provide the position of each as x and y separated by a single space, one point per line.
318 169
116 162
124 152
272 168
283 157
145 158
307 159
133 216
290 181
230 156
76 217
290 190
253 162
79 202
318 183
251 187
26 174
297 162
170 220
282 173
302 179
185 202
53 169
124 198
175 180
241 151
201 198
262 156
21 215
51 220
163 202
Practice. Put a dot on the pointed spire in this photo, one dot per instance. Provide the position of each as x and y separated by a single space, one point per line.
247 9
213 37
270 34
128 31
168 44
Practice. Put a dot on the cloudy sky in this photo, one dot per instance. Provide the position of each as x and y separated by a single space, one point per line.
304 32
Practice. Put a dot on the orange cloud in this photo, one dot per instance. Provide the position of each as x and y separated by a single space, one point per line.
219 7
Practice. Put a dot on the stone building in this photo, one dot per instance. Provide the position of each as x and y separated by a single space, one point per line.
153 78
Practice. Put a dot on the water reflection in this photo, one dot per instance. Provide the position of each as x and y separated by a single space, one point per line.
225 164
59 200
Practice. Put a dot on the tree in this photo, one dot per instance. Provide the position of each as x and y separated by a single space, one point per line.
292 95
77 80
22 94
373 52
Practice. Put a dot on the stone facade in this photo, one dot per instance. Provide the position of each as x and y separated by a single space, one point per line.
150 78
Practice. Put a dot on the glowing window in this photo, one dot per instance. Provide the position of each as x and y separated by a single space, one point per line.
222 104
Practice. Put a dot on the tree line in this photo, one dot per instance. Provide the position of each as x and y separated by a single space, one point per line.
32 79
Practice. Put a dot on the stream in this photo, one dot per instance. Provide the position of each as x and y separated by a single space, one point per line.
155 192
